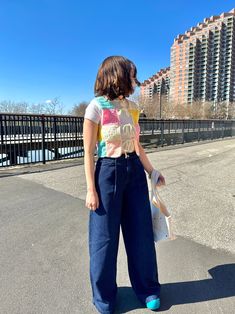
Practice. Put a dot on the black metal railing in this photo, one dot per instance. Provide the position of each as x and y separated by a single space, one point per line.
170 132
39 138
27 138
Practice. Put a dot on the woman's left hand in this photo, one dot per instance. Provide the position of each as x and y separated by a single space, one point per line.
161 180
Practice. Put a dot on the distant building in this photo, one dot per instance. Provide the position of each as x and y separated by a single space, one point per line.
157 84
203 61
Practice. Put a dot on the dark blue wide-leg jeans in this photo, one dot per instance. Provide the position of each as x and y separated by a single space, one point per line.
122 188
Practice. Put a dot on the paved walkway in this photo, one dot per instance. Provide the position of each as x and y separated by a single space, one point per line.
44 263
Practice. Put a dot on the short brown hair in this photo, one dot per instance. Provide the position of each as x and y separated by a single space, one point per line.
114 77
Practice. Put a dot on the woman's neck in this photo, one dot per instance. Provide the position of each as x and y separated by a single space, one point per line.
121 100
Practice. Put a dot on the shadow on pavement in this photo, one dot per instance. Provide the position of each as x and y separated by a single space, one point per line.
222 285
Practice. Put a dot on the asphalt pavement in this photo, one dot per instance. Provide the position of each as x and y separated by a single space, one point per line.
44 262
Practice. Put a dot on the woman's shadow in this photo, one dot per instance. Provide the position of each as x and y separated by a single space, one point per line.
221 285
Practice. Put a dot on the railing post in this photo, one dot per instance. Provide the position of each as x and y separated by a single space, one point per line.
1 129
212 129
1 132
162 132
182 131
233 128
56 150
43 140
199 130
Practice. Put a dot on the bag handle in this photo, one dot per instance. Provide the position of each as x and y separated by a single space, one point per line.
156 199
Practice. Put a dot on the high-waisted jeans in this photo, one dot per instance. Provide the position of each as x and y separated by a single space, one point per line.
122 189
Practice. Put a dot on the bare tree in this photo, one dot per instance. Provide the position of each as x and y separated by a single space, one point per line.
231 110
79 109
198 110
223 110
53 106
8 106
37 108
149 106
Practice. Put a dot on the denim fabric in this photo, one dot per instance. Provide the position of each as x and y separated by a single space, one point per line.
122 188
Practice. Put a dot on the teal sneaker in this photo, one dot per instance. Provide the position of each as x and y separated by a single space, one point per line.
153 304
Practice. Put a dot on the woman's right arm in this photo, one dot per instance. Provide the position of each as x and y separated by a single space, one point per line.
90 130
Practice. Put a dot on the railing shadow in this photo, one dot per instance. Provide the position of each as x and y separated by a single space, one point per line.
221 285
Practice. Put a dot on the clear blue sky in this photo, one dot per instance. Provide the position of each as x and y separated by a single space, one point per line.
53 48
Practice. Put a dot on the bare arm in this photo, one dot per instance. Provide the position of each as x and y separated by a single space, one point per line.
147 164
90 130
144 159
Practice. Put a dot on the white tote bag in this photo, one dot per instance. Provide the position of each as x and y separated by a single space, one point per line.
161 218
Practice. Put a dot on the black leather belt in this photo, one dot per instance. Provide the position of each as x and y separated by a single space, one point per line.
126 155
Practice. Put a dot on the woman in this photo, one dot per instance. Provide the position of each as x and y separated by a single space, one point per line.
117 191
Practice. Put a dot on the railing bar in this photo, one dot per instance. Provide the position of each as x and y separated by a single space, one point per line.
63 135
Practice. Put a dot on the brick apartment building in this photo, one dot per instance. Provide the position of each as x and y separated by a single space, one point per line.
203 61
202 64
156 85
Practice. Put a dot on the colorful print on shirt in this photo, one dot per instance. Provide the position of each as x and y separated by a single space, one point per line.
118 128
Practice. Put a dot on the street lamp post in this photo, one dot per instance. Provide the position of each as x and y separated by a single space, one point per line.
160 100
